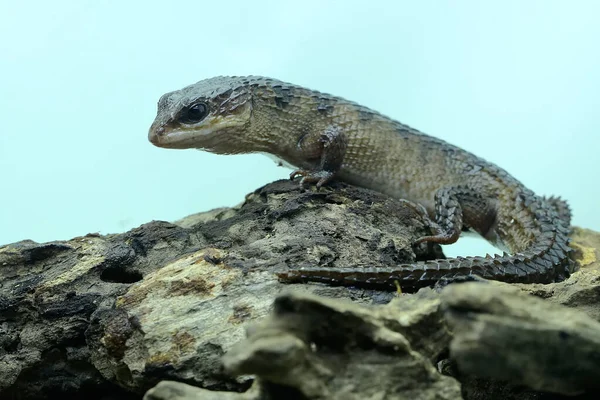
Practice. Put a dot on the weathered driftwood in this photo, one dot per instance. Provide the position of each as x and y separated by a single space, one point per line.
332 349
502 333
167 300
116 314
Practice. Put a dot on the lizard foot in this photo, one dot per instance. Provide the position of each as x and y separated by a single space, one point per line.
321 177
422 212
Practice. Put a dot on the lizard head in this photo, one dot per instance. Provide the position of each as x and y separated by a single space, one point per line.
211 115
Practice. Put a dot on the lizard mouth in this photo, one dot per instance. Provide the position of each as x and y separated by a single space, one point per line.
204 135
162 136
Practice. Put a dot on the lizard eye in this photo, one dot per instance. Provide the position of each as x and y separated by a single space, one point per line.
196 113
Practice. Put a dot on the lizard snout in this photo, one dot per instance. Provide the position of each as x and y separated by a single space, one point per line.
155 133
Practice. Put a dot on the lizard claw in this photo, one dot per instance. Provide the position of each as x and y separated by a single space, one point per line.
320 177
297 172
418 208
422 212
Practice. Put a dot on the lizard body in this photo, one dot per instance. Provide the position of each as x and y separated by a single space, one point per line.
329 137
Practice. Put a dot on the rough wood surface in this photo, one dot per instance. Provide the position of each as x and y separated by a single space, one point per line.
167 300
197 302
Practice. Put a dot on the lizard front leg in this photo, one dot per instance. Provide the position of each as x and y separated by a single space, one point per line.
333 148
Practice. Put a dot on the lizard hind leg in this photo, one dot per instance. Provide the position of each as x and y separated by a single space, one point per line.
448 216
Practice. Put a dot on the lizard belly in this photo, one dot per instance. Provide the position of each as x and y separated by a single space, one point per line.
396 189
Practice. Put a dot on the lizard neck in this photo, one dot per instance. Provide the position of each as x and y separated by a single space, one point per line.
271 132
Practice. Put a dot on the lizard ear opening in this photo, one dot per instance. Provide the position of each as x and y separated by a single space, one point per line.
194 113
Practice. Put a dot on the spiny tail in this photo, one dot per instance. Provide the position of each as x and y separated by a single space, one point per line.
546 260
561 207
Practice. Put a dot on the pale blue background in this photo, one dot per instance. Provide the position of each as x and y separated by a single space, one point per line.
516 82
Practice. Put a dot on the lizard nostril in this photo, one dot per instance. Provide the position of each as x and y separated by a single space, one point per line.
155 133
